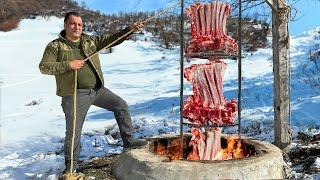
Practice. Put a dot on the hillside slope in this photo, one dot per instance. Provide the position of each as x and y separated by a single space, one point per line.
147 77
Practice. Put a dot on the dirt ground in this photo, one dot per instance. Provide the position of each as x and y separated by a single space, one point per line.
99 168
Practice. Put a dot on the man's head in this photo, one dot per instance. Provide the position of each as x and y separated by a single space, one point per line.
73 26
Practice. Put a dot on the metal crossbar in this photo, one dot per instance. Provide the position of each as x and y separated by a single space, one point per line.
209 125
213 55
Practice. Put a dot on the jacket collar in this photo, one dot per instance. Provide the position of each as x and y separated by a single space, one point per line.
62 36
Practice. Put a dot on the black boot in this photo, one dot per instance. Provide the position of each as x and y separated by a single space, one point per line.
133 143
125 126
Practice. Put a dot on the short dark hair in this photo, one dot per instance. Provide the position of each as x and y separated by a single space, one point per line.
72 13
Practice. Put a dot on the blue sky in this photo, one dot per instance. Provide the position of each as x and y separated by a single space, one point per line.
115 6
308 16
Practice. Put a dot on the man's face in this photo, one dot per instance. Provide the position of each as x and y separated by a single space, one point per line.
73 28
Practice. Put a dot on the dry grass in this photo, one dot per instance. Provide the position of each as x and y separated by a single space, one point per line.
100 168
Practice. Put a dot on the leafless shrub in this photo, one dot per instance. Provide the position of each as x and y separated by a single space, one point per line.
9 24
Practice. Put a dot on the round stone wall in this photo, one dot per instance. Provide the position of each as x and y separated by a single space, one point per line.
141 164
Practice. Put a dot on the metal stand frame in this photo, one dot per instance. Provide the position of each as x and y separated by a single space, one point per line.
211 55
181 74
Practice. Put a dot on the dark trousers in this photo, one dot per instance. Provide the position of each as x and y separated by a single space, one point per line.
101 97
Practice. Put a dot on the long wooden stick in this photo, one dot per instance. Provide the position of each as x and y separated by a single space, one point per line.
74 118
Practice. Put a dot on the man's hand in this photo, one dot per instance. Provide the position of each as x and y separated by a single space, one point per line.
76 64
137 25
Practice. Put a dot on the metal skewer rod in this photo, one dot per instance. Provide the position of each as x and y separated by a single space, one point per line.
181 74
239 67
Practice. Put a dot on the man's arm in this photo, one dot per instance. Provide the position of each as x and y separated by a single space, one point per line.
104 40
50 64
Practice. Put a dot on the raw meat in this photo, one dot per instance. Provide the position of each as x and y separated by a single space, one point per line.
208 28
207 104
205 147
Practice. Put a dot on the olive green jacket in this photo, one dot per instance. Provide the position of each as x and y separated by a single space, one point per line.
56 57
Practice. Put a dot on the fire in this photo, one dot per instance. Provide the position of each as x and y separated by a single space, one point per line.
173 151
232 151
160 149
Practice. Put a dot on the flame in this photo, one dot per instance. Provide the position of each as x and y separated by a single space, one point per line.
173 151
232 151
160 149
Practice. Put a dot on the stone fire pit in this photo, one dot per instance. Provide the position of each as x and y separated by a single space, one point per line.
140 164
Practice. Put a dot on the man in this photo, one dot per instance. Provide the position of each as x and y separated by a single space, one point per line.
61 58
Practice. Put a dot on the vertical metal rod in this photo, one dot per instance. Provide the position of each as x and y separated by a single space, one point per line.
181 74
239 67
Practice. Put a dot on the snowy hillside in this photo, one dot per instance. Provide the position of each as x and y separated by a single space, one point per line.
147 77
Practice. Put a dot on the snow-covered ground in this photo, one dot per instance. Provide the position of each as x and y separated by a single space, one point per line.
147 77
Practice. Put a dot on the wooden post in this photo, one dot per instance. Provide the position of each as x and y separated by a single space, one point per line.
281 70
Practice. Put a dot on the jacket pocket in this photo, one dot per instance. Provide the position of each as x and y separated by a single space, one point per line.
65 56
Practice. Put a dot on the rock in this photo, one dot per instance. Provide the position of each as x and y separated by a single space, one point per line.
304 137
316 137
34 102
